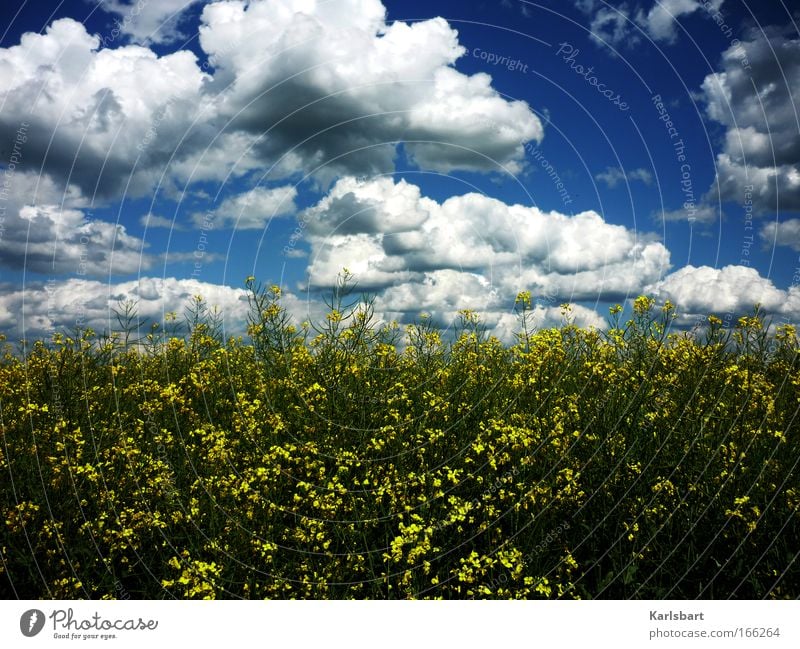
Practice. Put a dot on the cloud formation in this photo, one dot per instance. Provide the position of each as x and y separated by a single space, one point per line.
612 25
388 234
697 213
151 220
149 21
732 289
660 21
41 308
98 117
335 85
755 97
48 230
253 209
612 176
330 88
781 233
616 24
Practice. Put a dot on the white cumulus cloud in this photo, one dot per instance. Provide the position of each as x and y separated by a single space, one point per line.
96 117
781 233
388 234
755 97
326 88
616 24
148 21
48 230
731 289
253 209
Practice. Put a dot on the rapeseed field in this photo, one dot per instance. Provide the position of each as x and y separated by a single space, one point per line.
349 459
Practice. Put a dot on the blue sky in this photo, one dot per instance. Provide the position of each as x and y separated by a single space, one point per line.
449 153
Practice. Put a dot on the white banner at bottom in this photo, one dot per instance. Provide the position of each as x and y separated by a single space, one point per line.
406 624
